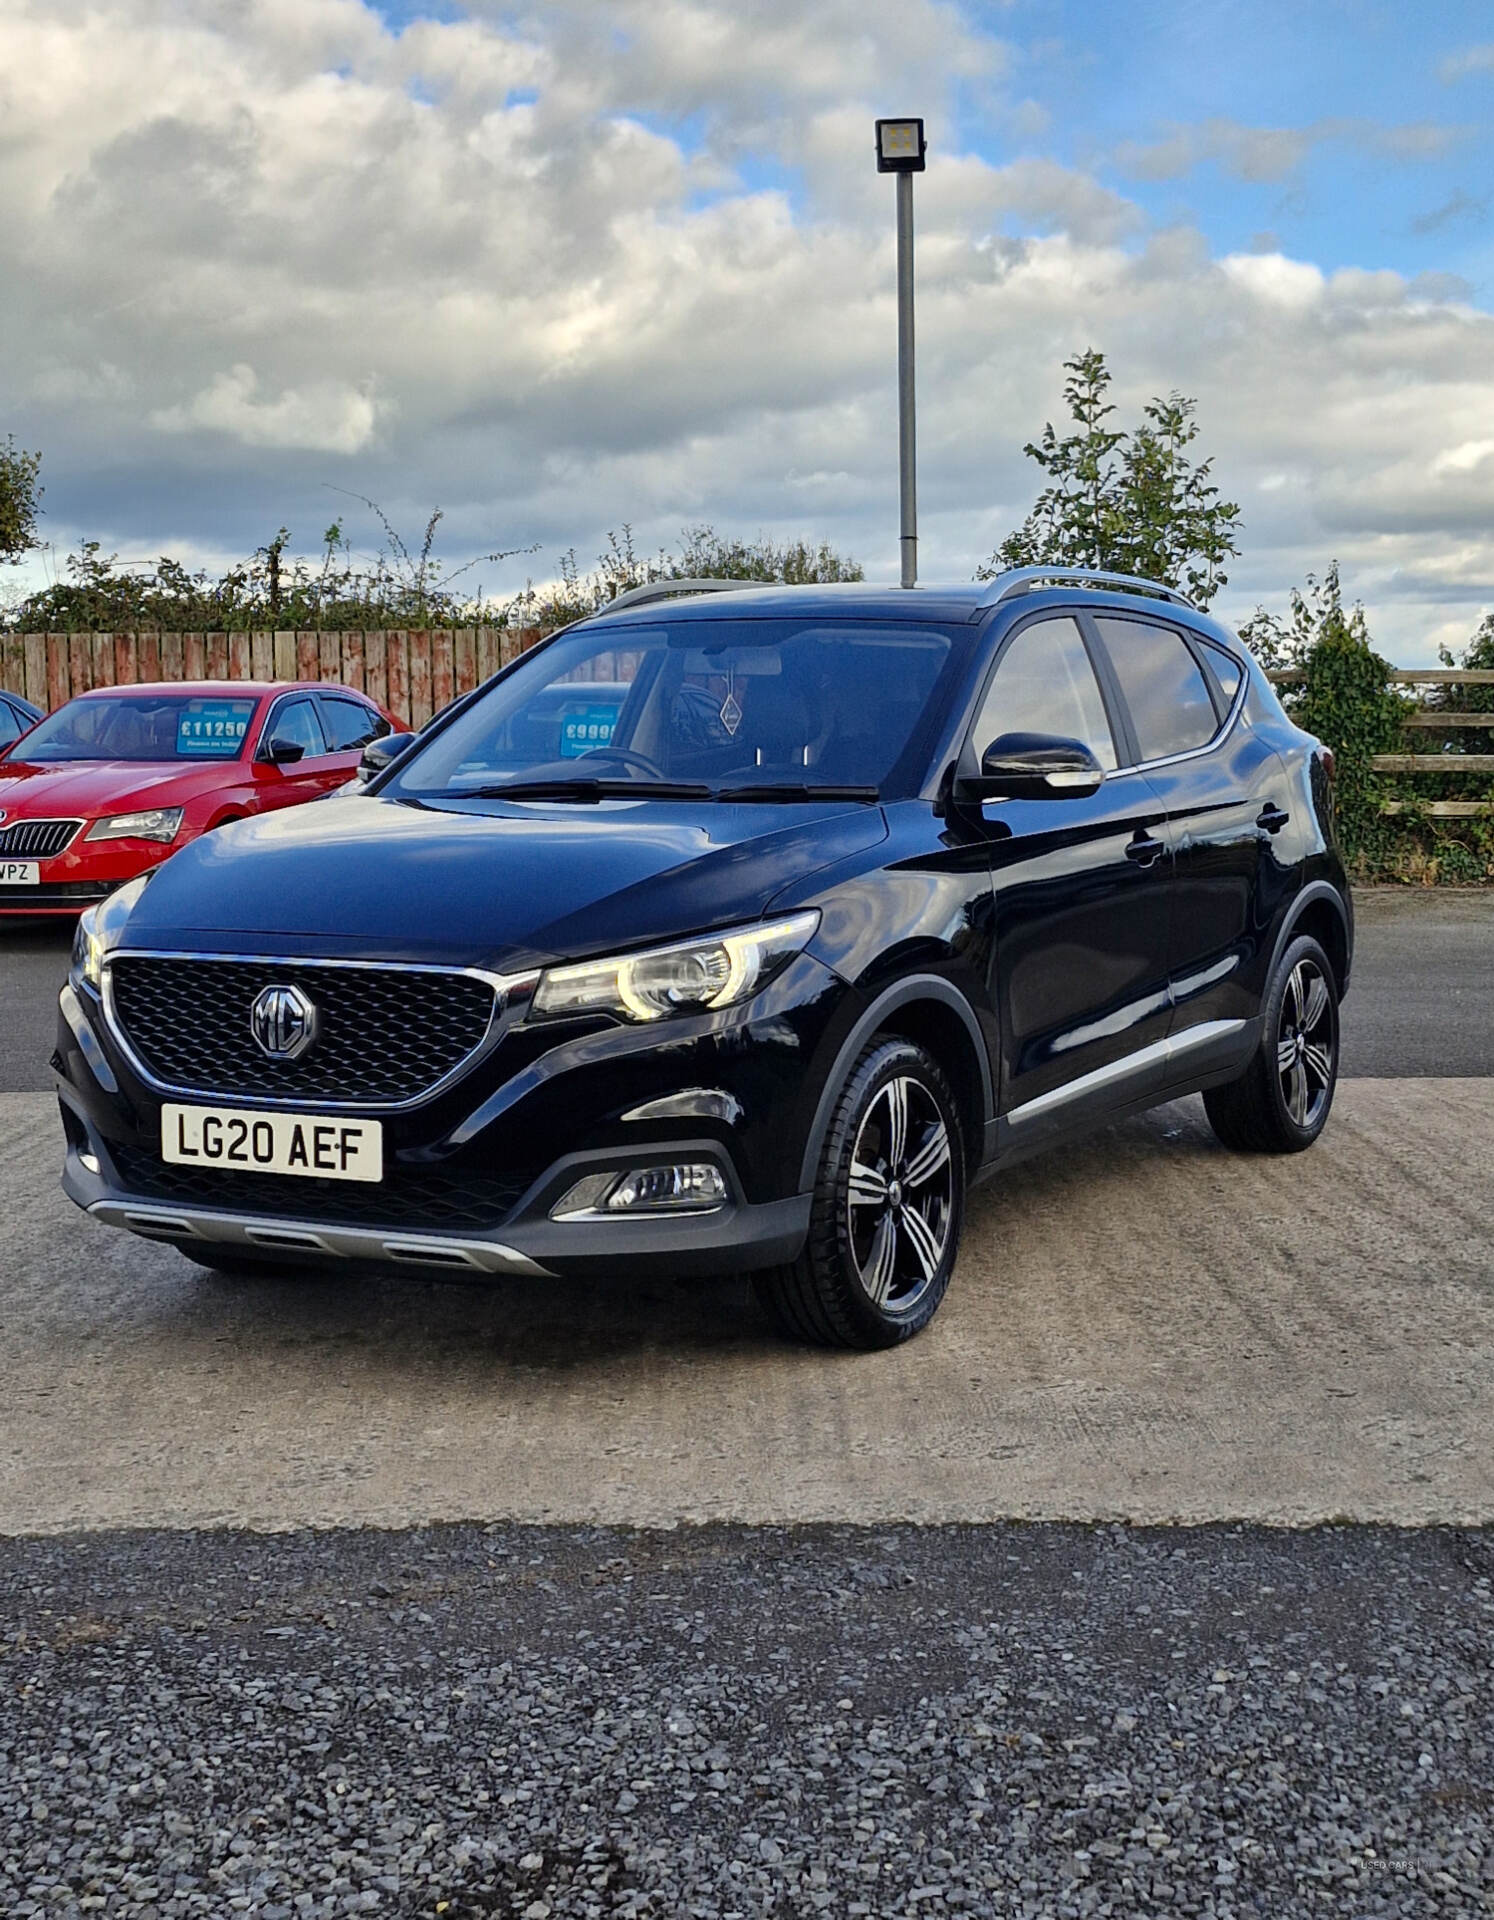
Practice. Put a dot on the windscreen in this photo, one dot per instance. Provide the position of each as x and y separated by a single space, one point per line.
731 704
156 726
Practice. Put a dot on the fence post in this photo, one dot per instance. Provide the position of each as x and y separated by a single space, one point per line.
375 675
398 644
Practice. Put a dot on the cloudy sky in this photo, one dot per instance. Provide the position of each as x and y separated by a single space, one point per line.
570 263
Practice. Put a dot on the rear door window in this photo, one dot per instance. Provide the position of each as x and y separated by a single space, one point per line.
349 723
1171 707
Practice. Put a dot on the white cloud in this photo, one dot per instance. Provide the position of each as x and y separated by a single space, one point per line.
324 418
565 265
1294 285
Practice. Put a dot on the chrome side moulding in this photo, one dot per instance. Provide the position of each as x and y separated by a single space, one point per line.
1131 1066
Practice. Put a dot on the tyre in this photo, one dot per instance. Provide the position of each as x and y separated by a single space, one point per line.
889 1202
1280 1104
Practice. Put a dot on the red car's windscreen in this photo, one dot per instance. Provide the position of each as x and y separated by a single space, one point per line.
140 727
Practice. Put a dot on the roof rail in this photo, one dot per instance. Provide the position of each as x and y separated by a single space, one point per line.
662 589
1007 586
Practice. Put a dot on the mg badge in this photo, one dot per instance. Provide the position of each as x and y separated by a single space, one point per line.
283 1022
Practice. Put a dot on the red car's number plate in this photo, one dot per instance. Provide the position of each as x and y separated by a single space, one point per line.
20 873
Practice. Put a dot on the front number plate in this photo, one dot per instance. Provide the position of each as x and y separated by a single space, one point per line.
20 873
243 1141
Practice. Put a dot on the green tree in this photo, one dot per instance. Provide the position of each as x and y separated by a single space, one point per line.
1343 694
20 497
1128 502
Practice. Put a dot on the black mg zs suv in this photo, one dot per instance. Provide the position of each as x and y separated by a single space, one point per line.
729 931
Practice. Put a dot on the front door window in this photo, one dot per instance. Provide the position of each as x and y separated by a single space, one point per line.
1045 684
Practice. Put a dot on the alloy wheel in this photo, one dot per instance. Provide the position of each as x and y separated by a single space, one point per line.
1306 1044
900 1195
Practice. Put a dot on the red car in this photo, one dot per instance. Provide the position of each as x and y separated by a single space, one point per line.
116 780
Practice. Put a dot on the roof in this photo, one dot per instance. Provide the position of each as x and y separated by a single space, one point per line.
953 604
847 599
208 689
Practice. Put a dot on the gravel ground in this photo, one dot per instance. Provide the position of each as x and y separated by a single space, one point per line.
465 1721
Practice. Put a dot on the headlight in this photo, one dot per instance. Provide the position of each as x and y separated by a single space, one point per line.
153 823
100 930
693 977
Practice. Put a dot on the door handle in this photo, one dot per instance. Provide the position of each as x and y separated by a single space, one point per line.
1271 819
1144 850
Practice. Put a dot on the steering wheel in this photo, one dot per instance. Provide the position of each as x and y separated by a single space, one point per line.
627 755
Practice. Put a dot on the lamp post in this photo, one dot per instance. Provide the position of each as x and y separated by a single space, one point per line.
900 150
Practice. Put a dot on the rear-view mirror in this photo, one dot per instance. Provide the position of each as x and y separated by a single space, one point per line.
379 753
1037 766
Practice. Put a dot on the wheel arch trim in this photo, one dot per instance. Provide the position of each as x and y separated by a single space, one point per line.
905 992
1315 893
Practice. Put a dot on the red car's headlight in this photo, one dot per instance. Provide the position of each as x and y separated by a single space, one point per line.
152 823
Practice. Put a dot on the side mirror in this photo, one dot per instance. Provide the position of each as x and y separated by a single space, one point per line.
379 753
1037 766
284 753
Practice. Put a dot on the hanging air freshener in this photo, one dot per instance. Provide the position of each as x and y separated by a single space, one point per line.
731 712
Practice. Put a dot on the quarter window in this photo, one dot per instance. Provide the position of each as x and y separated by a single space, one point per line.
1169 698
1045 684
10 724
1227 671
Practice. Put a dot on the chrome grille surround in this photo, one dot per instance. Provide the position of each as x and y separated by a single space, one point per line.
302 1084
37 839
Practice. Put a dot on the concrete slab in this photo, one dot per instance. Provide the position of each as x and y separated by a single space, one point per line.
1145 1328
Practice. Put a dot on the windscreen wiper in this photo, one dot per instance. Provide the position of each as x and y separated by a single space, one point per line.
591 790
797 790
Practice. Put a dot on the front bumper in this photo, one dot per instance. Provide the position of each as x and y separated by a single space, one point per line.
472 1176
736 1237
85 873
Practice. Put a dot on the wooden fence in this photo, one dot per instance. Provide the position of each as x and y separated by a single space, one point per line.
1435 719
413 674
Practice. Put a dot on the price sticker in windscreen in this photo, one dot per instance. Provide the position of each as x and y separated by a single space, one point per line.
212 729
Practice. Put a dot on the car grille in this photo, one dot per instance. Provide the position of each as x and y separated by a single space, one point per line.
385 1036
73 893
432 1200
36 839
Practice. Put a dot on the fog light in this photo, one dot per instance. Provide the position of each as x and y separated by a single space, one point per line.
691 1187
696 1184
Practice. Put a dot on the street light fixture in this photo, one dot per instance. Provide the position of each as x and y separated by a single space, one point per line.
900 149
